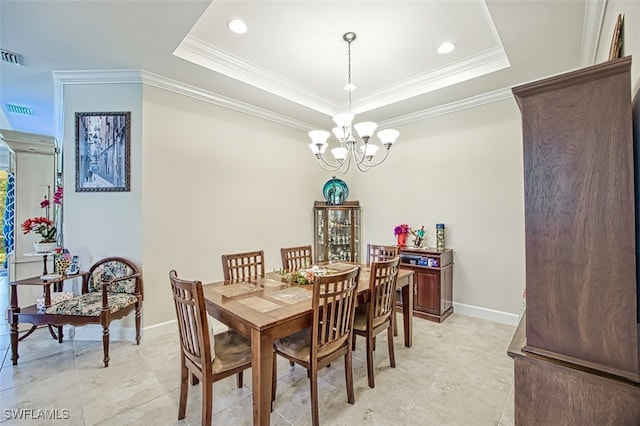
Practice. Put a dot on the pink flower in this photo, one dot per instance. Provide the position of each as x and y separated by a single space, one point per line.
401 229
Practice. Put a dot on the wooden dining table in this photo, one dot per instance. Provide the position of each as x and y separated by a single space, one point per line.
268 308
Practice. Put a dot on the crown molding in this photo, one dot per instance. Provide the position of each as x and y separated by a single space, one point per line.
62 78
199 52
474 66
208 56
472 102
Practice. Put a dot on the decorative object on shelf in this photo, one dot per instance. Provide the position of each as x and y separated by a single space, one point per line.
401 231
440 236
103 145
347 152
419 235
61 260
41 247
335 191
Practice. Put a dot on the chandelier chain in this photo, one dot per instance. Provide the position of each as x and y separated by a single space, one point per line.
349 73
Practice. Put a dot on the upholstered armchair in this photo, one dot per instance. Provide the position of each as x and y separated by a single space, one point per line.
111 289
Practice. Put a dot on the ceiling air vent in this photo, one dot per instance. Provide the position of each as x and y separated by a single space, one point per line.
17 109
10 57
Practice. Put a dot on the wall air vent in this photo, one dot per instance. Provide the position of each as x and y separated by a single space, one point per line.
10 57
17 109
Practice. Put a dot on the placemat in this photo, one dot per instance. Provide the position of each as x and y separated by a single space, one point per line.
236 289
259 304
291 295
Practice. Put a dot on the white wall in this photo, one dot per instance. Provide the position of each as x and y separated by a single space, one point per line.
464 170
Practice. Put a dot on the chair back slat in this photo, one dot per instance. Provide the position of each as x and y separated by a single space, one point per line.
242 266
377 253
382 288
334 298
294 258
193 326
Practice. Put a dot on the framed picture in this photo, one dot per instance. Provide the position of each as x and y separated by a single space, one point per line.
103 146
615 51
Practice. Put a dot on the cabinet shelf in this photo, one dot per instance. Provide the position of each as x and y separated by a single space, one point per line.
336 231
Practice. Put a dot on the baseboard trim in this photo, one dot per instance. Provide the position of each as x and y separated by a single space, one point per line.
119 333
485 313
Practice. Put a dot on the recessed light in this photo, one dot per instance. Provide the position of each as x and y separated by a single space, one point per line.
446 47
237 26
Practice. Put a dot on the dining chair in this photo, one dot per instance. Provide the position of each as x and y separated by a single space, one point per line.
239 266
376 316
376 253
328 338
294 258
204 356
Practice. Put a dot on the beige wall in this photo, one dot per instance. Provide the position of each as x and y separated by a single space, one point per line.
102 224
208 180
464 170
216 181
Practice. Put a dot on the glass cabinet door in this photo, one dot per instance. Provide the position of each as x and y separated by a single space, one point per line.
337 232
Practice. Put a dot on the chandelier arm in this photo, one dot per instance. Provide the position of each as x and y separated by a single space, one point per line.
386 154
329 167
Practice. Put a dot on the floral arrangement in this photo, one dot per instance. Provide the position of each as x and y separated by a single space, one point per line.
305 276
44 225
403 229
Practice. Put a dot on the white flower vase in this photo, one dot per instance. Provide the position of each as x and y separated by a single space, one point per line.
44 247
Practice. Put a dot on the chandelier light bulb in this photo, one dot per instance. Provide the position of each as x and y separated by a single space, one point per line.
340 154
343 119
369 150
388 137
365 129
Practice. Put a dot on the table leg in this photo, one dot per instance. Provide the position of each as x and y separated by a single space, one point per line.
407 312
261 371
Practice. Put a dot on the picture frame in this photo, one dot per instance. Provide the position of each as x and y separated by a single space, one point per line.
103 151
617 41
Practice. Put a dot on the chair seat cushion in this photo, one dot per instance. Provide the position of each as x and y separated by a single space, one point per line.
360 319
296 345
90 304
231 350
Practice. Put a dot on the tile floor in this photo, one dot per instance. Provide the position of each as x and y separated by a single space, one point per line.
456 373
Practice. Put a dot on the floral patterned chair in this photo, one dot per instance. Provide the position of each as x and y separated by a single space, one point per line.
111 290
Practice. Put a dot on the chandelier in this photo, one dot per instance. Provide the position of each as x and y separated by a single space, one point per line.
348 151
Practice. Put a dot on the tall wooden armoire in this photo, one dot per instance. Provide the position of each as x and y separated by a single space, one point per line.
576 351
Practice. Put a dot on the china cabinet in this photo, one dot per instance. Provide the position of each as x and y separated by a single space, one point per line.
576 351
336 231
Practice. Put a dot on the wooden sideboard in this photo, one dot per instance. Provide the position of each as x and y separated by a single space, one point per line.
433 281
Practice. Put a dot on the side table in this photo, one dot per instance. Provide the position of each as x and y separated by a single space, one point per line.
45 255
31 314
